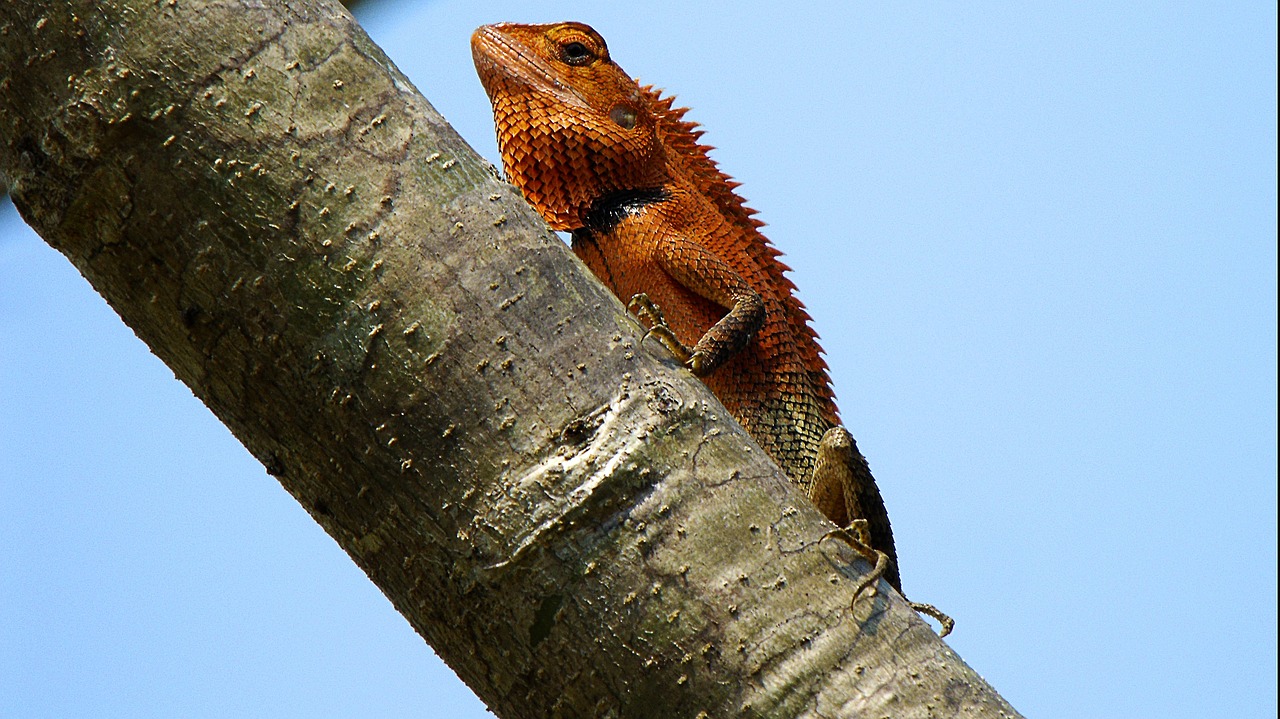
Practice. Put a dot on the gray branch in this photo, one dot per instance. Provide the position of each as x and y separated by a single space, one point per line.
571 521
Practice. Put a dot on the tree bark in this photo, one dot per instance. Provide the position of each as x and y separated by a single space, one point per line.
572 521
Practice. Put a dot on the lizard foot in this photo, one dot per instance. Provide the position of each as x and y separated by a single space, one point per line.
857 536
650 314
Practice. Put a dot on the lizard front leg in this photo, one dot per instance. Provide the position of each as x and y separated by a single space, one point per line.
705 274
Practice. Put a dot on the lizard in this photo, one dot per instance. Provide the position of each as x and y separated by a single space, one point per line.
649 212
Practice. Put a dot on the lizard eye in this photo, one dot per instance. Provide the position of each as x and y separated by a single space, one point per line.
576 53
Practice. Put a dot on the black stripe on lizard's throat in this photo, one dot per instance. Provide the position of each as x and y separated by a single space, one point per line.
609 209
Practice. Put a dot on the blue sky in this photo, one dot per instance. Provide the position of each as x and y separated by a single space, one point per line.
1038 243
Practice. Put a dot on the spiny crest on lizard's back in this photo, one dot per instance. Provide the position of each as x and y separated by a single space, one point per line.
680 138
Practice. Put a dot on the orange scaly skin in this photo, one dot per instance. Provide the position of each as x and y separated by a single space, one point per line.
653 217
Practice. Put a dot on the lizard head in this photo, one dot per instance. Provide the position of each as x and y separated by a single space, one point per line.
572 126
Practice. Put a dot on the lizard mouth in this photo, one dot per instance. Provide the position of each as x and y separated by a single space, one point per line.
502 59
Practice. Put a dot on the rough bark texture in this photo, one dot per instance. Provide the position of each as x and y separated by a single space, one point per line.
568 519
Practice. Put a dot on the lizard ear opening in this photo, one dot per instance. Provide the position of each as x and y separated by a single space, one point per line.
624 116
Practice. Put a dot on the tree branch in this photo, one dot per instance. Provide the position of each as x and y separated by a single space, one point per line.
572 522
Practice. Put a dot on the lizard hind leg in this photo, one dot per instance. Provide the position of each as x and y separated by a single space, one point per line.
843 488
830 486
830 475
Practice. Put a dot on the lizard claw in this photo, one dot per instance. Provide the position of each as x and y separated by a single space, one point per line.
640 303
648 311
857 537
928 609
696 364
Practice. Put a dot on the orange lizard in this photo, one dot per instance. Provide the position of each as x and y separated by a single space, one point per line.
654 218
